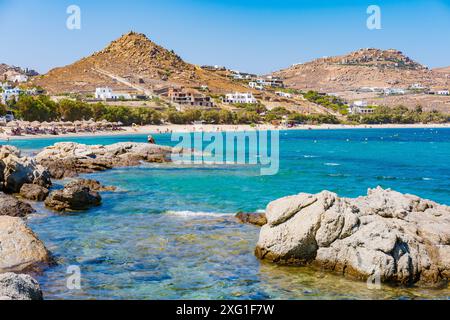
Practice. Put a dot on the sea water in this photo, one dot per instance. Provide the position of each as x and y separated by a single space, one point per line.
168 232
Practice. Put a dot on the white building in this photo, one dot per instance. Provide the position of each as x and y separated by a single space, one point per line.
360 103
103 93
107 94
270 81
283 94
392 91
8 94
238 97
20 78
417 86
255 85
443 92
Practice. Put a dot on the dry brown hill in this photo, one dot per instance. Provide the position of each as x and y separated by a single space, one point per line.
132 62
362 68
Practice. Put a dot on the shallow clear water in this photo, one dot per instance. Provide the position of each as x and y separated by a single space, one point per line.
169 233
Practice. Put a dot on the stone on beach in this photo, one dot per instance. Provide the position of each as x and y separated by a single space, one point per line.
19 287
400 238
69 159
73 197
17 171
20 249
10 206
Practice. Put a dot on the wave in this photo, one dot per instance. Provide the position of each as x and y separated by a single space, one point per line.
332 164
307 156
187 213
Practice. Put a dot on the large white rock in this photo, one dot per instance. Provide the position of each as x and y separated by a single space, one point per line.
400 238
20 249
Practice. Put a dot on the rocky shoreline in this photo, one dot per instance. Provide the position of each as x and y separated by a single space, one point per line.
396 237
27 178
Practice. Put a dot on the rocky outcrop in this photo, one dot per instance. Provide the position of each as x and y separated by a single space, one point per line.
257 219
20 249
34 192
70 159
73 197
93 185
17 171
387 235
19 287
10 206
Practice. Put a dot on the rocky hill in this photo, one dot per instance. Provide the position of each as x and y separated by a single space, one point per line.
365 67
131 62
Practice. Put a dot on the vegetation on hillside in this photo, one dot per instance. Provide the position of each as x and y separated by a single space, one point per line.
400 115
327 101
42 108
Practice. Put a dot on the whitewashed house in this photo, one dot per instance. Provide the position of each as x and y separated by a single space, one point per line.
9 94
238 97
106 93
103 93
255 85
360 107
443 92
283 94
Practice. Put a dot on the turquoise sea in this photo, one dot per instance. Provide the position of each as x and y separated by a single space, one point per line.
169 231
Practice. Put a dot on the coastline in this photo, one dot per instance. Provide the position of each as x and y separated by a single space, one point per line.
161 129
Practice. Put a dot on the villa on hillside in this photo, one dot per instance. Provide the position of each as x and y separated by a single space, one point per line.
237 75
107 93
283 94
9 94
360 107
15 77
443 92
189 97
394 91
238 97
270 81
255 85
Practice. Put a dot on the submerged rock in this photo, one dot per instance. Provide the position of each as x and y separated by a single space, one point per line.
17 171
69 159
34 192
73 197
257 219
19 287
10 206
20 249
93 185
398 238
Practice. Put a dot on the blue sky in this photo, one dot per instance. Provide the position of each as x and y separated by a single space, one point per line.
255 36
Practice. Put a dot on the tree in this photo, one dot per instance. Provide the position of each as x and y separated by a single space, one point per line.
36 109
2 109
70 110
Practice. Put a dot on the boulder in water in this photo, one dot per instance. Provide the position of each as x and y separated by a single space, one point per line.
395 237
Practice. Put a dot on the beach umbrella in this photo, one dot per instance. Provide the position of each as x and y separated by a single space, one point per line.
78 123
12 124
35 124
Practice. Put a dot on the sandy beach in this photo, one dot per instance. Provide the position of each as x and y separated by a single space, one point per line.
161 129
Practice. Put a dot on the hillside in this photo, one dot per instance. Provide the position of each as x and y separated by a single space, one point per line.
132 62
362 68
